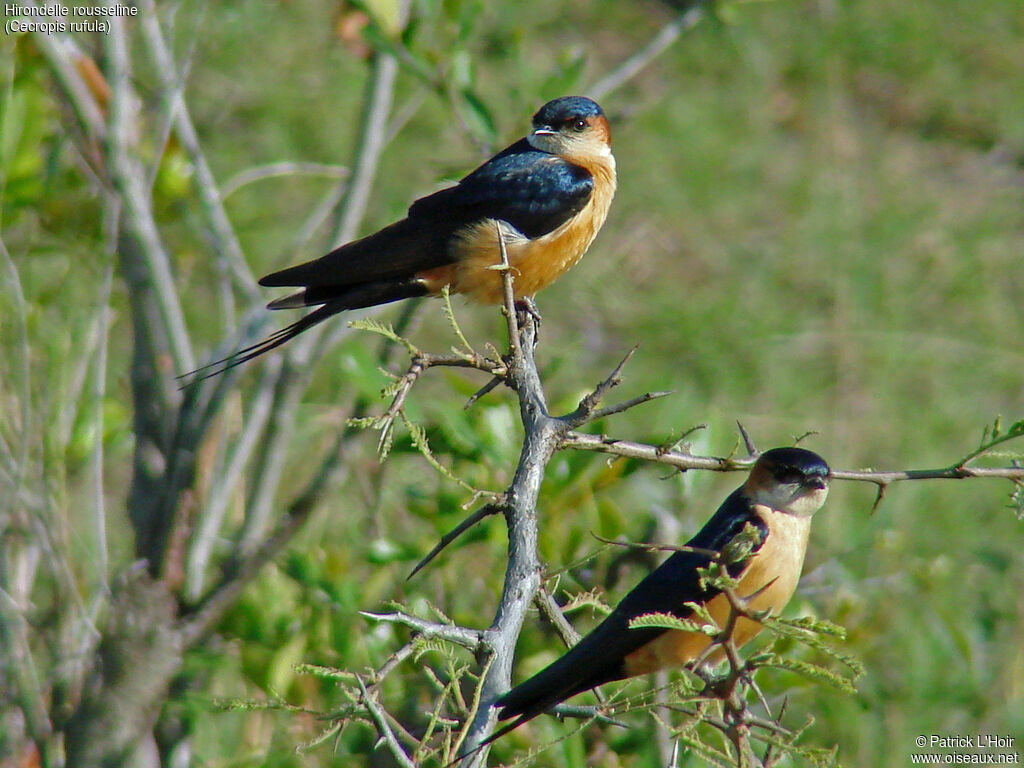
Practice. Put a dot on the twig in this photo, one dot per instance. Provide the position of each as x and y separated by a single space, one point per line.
752 451
383 728
484 511
508 298
283 168
471 639
713 553
665 37
553 612
421 362
656 454
653 453
128 179
372 138
227 246
588 405
490 385
98 394
602 413
393 661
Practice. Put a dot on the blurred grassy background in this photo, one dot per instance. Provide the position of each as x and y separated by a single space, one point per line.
820 227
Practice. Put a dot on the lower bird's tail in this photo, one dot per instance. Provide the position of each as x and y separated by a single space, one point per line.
535 697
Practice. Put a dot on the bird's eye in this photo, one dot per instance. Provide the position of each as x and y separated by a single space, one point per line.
579 125
789 476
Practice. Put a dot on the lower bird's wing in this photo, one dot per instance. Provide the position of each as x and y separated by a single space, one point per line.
600 656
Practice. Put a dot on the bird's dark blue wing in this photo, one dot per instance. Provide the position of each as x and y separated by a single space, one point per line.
533 191
598 658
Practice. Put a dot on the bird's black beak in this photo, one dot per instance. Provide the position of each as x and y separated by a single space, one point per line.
543 130
816 482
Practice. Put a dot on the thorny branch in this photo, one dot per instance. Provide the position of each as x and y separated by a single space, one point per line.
170 428
684 461
124 176
543 436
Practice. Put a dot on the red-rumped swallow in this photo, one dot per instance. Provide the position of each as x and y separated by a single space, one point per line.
786 486
548 194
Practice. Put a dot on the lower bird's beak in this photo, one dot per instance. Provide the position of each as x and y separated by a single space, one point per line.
816 482
544 132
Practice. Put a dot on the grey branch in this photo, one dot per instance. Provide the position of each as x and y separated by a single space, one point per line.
129 179
553 612
485 511
471 639
227 245
666 36
657 454
286 168
383 728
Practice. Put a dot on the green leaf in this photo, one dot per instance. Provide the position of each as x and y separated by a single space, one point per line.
819 626
418 435
325 673
386 13
815 672
385 330
478 117
670 621
1017 500
567 78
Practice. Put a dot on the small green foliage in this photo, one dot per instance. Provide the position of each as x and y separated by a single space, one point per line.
993 435
588 599
812 624
670 621
449 313
1017 499
806 631
709 754
324 673
813 671
364 422
419 439
741 545
253 705
715 577
321 737
385 330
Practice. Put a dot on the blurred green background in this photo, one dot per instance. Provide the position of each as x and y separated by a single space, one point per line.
819 227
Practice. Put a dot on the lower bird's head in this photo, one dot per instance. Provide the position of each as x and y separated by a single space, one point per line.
572 126
790 480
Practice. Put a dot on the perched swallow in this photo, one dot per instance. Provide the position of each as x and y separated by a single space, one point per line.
785 488
548 193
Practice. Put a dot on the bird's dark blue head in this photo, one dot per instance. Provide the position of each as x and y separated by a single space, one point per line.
573 127
791 480
565 111
795 465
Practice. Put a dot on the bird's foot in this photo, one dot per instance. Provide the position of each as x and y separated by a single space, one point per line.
527 307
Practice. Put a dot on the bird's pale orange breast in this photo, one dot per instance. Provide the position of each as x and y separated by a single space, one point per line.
769 581
536 263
